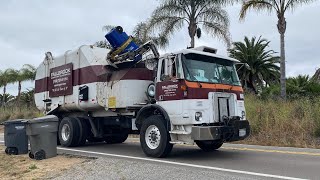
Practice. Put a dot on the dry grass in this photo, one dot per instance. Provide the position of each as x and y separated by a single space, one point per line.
17 113
284 123
22 167
1 129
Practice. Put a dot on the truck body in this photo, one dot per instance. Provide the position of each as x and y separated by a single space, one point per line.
186 97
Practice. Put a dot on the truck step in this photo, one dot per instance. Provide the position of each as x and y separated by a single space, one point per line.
178 132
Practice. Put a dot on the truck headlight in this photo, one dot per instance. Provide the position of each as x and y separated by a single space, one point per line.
198 116
151 90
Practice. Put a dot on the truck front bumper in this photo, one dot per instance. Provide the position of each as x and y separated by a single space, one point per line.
239 130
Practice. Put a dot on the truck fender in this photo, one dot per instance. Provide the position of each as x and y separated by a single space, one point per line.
149 110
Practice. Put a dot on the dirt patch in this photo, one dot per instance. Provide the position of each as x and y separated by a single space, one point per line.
22 167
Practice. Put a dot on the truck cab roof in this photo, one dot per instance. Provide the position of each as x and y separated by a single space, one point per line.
200 50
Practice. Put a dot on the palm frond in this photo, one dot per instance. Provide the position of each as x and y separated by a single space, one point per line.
217 30
258 5
292 4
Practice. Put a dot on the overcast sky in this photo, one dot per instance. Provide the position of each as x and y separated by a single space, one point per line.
28 29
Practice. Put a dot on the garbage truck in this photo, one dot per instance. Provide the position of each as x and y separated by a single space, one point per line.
192 96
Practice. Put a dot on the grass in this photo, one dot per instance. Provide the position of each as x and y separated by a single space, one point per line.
18 113
284 123
33 166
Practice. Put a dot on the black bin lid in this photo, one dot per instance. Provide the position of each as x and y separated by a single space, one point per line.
16 121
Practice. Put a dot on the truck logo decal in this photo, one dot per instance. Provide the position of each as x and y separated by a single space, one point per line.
60 81
169 90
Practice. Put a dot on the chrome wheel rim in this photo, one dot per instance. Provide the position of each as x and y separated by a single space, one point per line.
153 137
65 132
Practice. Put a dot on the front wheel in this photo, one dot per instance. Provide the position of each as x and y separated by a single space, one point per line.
154 137
209 145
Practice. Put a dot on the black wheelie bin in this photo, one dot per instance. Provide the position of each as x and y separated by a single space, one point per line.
15 137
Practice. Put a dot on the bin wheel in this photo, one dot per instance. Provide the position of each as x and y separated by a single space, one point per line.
39 155
11 151
31 155
119 29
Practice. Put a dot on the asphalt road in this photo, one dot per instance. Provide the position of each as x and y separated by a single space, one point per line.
232 161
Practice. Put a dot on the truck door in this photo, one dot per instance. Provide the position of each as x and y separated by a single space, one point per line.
168 87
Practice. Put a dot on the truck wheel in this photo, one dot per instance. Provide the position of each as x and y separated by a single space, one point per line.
116 139
83 131
209 145
154 137
69 132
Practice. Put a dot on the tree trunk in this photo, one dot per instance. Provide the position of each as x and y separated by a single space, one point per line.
282 26
4 95
19 93
192 42
192 32
283 68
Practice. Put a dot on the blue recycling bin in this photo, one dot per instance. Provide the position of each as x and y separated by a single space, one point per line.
117 37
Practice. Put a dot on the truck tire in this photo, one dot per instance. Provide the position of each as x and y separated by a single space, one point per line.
154 137
69 132
84 131
116 139
209 145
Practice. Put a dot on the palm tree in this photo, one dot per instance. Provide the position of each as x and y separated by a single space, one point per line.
6 77
6 98
26 73
298 85
172 15
260 65
280 7
27 97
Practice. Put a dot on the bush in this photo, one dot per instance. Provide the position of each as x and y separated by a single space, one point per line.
10 113
294 122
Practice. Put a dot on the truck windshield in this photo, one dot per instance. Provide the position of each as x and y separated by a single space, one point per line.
206 69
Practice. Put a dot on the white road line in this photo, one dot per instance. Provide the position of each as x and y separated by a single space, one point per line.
183 164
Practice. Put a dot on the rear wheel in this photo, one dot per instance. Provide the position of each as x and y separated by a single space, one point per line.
69 132
209 145
84 131
154 137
